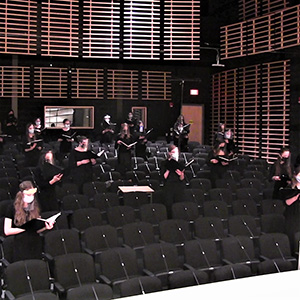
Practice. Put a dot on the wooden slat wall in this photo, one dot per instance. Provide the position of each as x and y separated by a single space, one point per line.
87 83
50 82
14 81
275 108
258 97
18 27
122 84
60 22
249 9
275 31
156 85
182 30
101 29
142 29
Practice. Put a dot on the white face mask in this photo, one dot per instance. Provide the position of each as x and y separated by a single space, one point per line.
31 131
175 155
298 178
28 198
67 125
141 128
38 123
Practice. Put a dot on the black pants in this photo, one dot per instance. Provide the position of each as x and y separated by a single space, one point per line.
173 192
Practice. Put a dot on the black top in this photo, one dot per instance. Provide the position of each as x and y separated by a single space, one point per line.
172 165
65 145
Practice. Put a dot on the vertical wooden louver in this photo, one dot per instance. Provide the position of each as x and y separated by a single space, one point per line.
18 27
59 26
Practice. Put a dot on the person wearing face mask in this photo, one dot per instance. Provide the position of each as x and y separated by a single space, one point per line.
291 196
10 125
81 161
27 244
281 171
216 164
107 130
174 183
32 146
141 138
132 123
124 145
51 175
38 127
66 138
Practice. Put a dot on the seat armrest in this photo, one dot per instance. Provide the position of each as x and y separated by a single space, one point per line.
104 279
148 273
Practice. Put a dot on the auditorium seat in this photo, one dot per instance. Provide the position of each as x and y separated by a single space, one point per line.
194 195
161 260
239 249
272 223
75 274
276 245
138 234
187 278
84 218
243 225
28 279
233 271
60 242
118 265
221 194
185 210
140 286
216 208
272 206
96 239
92 188
274 266
72 202
175 231
201 254
209 228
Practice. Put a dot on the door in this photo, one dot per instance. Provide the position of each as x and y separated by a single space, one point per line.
194 114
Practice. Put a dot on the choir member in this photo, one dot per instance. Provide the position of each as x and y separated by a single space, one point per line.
181 134
32 146
66 138
174 184
290 194
81 161
217 161
27 243
132 123
124 145
281 171
141 138
107 130
11 123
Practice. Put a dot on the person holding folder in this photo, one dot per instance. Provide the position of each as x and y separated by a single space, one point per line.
66 138
22 221
81 161
174 183
124 145
32 146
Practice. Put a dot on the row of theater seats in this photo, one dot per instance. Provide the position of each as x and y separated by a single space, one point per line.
140 263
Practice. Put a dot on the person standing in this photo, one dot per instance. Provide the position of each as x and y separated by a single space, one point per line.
27 242
174 183
181 134
107 130
124 145
131 121
81 161
66 138
281 171
32 147
291 195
